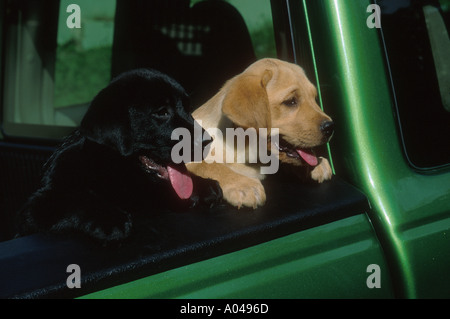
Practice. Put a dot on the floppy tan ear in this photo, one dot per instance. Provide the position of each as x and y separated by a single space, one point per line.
246 103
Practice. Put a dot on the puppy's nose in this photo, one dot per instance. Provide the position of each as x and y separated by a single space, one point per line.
327 128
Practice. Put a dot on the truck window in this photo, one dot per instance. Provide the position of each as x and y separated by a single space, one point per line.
418 49
83 58
52 69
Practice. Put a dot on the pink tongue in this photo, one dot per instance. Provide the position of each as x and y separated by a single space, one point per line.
181 182
309 158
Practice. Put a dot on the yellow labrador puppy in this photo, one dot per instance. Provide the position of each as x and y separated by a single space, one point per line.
270 94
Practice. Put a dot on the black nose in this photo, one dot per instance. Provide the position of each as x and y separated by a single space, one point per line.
327 128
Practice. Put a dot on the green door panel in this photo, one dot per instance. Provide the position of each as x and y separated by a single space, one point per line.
329 261
410 208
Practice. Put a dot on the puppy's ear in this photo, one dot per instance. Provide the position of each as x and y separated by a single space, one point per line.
246 103
107 123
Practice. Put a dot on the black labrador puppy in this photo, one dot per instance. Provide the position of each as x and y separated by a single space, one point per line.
118 163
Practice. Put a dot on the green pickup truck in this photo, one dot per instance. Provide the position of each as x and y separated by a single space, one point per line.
379 229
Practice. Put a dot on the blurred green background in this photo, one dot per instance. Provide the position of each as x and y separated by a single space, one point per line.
83 56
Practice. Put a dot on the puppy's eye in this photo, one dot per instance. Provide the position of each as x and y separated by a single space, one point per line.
163 113
291 102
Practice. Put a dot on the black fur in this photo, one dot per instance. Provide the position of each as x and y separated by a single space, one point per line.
95 183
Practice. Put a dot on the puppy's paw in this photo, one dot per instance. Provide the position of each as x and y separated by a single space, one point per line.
245 191
109 228
322 172
207 192
112 235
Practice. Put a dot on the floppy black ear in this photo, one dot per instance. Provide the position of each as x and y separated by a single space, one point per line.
107 122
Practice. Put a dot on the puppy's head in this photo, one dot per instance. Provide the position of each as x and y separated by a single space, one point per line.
135 116
272 93
137 112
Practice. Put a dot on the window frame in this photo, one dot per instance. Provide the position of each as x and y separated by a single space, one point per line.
47 32
44 61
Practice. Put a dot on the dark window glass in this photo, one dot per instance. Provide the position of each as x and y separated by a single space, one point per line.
418 49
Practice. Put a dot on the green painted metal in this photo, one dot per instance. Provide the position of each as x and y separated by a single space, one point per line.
329 261
411 209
